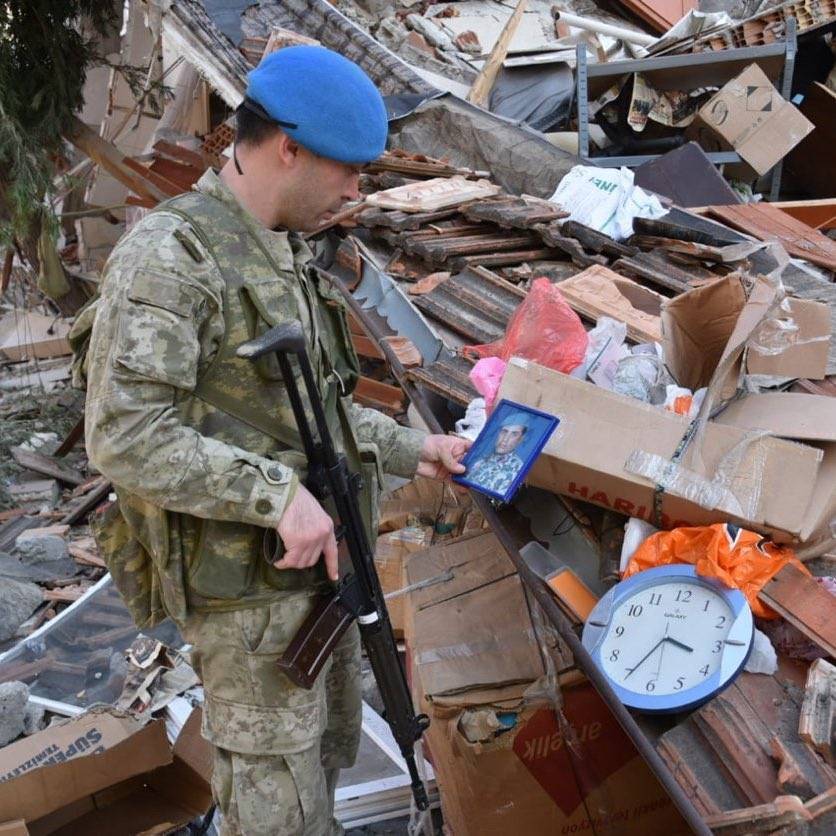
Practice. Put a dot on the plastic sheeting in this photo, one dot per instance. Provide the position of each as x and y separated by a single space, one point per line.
540 96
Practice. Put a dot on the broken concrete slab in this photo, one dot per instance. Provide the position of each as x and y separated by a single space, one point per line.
14 697
46 549
11 567
18 600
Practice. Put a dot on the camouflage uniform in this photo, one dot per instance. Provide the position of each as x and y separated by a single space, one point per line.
200 448
496 472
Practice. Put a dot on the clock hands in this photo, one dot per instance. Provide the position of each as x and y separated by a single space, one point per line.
664 640
645 657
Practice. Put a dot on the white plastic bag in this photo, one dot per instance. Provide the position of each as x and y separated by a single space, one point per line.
603 352
474 419
605 199
636 531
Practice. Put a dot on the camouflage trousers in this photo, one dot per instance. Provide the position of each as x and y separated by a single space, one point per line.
277 748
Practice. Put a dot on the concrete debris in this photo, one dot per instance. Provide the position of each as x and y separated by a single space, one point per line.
14 699
18 600
34 550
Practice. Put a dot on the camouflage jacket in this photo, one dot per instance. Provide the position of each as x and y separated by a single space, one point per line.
496 472
191 437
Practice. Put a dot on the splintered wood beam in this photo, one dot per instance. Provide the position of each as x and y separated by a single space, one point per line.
113 161
389 399
817 722
804 603
482 86
47 465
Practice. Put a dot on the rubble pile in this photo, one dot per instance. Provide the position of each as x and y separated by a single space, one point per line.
651 183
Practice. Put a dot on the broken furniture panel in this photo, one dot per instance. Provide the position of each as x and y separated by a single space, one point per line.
770 224
599 291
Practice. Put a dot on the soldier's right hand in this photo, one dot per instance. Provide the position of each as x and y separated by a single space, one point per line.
307 532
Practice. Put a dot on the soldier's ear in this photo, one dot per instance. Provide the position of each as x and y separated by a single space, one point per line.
288 150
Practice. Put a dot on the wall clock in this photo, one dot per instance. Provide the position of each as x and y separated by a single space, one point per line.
668 639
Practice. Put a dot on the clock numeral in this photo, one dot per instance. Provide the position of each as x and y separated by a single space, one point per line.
655 598
721 620
684 595
717 647
680 681
619 631
614 655
651 685
635 610
707 602
704 670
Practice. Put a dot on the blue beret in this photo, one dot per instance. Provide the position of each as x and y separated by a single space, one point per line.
516 419
322 100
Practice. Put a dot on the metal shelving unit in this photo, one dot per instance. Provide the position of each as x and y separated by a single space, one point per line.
683 72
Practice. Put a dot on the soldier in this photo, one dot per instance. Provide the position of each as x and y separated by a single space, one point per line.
498 469
202 447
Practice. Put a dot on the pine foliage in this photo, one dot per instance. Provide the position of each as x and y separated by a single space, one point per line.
44 57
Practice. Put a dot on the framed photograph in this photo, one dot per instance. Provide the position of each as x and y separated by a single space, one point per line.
506 448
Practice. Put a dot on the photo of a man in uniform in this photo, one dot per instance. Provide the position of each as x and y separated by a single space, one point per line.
498 469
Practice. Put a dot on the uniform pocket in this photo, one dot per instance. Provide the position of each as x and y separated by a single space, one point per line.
266 303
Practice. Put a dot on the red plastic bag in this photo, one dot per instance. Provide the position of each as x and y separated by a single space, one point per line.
543 329
740 559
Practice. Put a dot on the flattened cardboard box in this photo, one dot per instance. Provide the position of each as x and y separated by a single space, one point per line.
68 777
474 658
749 115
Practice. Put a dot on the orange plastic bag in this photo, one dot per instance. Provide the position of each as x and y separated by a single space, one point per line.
543 328
739 558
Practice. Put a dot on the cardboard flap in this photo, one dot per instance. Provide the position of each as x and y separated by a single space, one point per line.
478 639
806 353
696 327
786 414
465 564
117 748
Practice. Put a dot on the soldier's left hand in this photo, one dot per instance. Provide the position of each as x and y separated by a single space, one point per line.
441 456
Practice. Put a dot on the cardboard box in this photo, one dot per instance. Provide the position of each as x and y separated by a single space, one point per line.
25 335
497 746
749 115
105 772
615 451
782 337
390 555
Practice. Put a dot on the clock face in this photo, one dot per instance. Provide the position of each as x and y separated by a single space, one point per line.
666 638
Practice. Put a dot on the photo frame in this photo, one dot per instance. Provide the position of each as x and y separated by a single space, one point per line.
505 449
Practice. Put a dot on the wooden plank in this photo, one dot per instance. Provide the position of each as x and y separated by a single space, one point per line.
382 396
47 465
817 722
764 221
71 439
805 604
87 503
482 85
112 160
184 155
819 214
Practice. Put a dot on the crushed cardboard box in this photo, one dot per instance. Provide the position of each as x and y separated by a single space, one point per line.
615 451
105 771
497 745
390 555
749 115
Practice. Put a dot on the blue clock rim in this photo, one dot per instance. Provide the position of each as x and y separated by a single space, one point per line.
692 697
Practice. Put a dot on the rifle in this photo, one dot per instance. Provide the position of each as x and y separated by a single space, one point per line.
358 594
